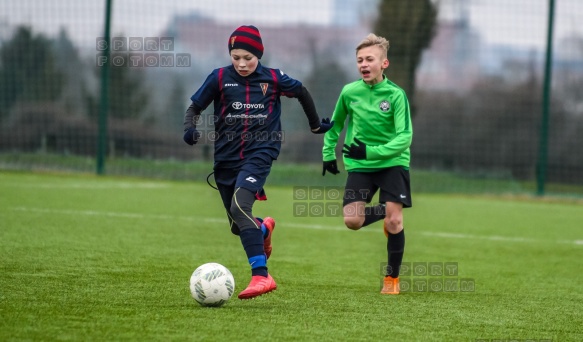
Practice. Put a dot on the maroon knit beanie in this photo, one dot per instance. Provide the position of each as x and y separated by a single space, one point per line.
247 37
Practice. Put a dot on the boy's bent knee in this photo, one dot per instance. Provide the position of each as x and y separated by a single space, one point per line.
354 223
241 209
393 224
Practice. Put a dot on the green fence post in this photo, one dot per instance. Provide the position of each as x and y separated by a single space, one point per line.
544 130
104 102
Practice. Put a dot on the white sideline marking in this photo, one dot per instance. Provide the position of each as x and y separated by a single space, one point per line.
112 214
288 224
104 185
495 238
479 237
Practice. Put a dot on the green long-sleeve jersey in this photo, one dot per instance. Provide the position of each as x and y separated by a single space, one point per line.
379 116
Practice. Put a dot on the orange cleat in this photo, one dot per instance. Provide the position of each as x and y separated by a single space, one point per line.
258 286
269 223
390 286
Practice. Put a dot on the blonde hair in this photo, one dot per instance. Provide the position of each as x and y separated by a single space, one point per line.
371 40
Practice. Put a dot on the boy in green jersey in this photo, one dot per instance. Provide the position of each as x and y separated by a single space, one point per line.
376 151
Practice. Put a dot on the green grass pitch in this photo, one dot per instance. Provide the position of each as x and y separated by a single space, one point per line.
104 258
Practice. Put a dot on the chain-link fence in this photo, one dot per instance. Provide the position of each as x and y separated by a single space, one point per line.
473 70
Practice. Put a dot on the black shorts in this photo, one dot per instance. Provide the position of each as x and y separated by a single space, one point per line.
393 182
250 173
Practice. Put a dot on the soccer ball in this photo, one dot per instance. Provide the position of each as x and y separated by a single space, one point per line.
212 284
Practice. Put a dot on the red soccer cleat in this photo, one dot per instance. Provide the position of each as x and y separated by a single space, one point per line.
391 286
259 285
269 223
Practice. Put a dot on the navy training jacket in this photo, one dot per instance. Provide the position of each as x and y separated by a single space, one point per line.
247 110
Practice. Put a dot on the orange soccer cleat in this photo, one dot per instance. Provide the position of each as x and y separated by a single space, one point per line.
258 286
390 286
269 223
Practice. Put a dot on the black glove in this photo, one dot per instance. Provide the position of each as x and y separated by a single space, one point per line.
191 136
325 126
355 151
331 167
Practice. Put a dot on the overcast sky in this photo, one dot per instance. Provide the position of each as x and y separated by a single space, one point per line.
516 22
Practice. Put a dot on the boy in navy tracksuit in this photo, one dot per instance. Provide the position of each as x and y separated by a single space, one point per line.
247 110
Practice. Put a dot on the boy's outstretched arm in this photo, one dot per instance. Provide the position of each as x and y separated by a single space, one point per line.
331 138
191 135
317 126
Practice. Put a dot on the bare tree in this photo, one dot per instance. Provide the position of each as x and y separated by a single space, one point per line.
410 27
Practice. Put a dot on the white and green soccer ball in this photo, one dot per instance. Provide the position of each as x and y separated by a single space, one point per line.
212 284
